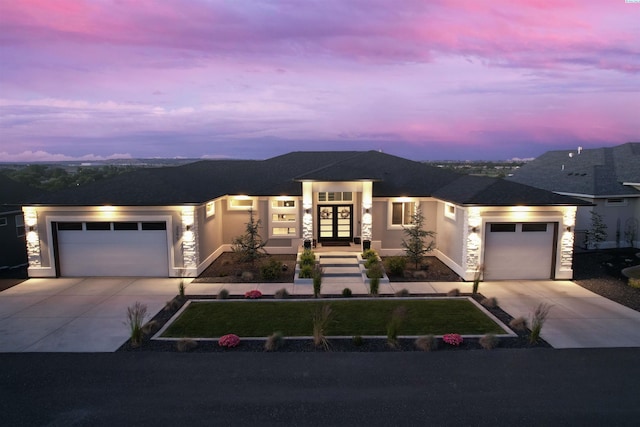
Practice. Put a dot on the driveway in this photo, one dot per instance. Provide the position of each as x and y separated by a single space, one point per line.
75 314
578 318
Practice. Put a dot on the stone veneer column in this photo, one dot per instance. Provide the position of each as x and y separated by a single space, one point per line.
33 238
473 247
307 214
367 211
189 240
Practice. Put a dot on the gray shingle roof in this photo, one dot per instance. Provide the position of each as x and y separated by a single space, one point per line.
599 171
14 193
205 180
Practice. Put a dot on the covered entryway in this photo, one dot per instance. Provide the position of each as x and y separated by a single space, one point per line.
519 250
335 223
112 249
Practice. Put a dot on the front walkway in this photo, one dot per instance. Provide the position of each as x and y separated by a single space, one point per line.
88 314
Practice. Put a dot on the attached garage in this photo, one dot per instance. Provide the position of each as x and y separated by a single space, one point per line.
519 250
112 249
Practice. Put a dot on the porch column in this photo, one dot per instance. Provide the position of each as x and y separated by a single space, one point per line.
367 211
189 242
307 216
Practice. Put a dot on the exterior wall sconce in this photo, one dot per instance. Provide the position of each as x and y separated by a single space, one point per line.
569 229
474 229
307 211
32 228
367 210
188 228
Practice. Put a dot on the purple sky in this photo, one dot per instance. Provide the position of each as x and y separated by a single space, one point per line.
252 79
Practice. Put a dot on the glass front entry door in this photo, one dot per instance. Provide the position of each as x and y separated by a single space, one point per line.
335 223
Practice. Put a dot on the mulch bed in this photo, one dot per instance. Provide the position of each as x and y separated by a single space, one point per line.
337 345
227 269
432 270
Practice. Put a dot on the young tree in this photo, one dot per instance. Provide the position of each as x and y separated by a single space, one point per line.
250 245
597 233
415 245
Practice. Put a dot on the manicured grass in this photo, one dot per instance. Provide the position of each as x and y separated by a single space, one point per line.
353 317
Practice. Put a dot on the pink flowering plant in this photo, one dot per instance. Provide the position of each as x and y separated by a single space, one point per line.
452 339
229 341
254 294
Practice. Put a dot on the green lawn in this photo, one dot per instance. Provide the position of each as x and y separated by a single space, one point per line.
350 317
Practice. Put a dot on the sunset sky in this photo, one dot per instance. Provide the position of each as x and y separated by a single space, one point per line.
422 79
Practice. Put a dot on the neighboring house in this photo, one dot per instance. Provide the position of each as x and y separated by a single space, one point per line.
176 221
13 253
608 178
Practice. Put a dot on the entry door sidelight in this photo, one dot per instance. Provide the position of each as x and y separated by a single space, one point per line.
336 222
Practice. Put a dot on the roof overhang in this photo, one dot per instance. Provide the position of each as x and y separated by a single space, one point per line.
635 185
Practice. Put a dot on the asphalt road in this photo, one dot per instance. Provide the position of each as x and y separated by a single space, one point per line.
501 387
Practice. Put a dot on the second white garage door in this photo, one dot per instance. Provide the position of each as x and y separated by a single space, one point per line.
113 249
519 251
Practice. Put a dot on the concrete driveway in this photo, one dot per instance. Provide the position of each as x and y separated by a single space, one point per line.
578 319
75 314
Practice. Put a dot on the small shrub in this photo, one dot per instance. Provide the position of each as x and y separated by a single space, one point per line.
490 302
357 340
403 293
518 324
307 257
396 265
420 275
370 262
247 276
135 318
172 305
181 287
398 316
229 341
272 270
281 294
375 271
453 292
369 253
306 271
321 321
452 339
317 280
374 286
253 294
426 343
346 293
149 327
223 294
488 341
634 283
186 344
274 341
538 320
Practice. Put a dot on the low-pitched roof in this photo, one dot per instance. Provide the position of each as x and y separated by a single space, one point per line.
594 172
13 193
202 181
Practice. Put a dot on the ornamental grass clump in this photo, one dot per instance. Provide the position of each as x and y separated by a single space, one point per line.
518 324
488 341
374 286
253 294
229 341
223 294
185 345
398 316
490 302
452 339
346 293
403 293
321 320
135 319
317 280
453 292
538 320
281 294
274 341
426 343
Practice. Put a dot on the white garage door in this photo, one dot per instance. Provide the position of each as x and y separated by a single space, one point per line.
112 249
519 251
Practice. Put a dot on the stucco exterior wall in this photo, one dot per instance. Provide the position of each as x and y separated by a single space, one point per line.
450 239
390 237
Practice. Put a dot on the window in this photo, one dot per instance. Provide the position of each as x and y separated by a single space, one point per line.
283 217
503 228
616 202
284 231
3 222
154 225
401 213
124 226
346 196
98 226
450 211
241 203
534 227
70 226
211 209
20 229
283 203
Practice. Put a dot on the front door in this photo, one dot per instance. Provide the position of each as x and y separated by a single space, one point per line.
335 223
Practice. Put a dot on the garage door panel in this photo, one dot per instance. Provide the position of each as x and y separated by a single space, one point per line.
518 254
113 253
